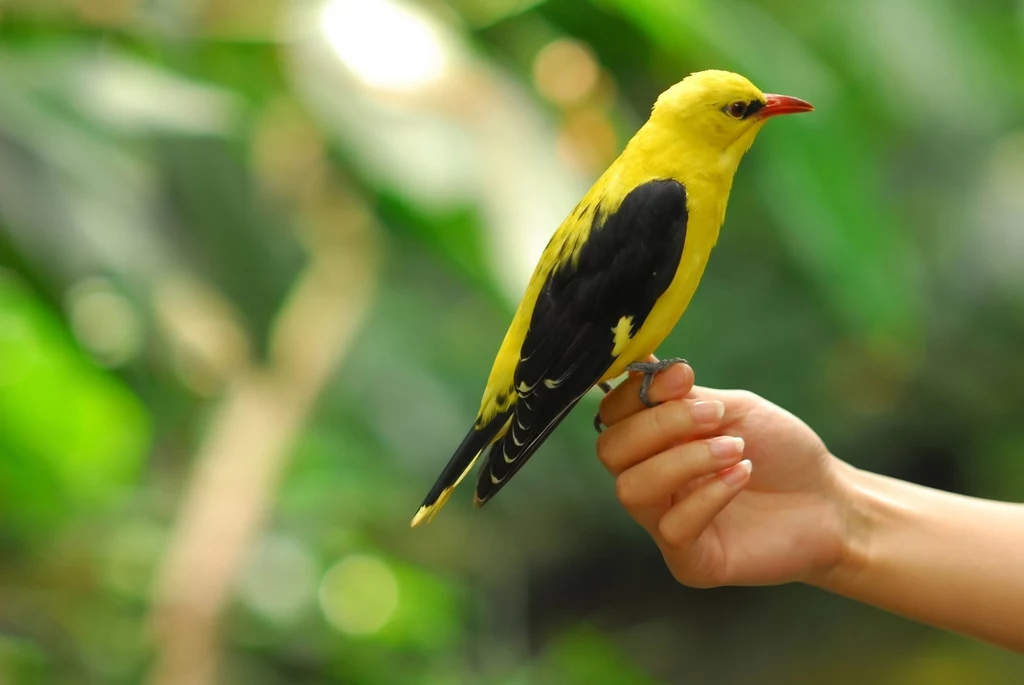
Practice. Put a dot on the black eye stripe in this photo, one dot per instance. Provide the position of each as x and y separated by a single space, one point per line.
753 108
739 109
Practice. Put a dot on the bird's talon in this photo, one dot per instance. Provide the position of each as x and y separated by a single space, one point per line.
650 370
606 388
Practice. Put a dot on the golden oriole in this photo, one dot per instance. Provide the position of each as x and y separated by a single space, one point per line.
617 274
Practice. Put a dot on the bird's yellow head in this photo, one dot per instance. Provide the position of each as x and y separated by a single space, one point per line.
720 112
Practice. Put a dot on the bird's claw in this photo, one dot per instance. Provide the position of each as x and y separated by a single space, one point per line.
650 370
605 388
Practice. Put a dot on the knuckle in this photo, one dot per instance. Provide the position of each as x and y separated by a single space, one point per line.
656 420
702 573
682 421
670 532
667 418
745 399
702 458
626 489
703 497
745 396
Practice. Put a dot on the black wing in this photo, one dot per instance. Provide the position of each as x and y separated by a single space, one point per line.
628 261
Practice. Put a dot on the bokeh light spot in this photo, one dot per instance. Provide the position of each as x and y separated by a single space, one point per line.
279 579
104 321
384 43
565 71
359 594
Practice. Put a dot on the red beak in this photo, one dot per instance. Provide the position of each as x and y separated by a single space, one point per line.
783 104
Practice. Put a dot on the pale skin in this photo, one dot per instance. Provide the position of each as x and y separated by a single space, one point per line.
776 507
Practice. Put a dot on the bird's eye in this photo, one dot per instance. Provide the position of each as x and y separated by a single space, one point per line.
736 109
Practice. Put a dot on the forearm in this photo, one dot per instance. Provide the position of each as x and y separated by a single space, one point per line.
950 561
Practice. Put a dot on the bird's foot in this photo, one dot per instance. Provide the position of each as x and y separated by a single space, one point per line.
605 388
650 370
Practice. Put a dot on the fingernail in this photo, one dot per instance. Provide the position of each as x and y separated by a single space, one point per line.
707 411
734 475
725 447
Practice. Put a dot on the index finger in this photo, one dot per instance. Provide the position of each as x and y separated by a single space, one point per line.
673 383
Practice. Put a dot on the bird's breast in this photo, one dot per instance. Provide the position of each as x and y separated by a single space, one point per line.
705 220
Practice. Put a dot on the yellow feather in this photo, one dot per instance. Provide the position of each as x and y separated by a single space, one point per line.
623 333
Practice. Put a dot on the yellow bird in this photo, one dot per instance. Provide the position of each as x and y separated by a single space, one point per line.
617 274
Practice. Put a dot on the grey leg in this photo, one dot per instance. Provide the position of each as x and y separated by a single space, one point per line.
650 370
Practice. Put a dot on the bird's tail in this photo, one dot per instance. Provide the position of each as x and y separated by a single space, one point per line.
458 466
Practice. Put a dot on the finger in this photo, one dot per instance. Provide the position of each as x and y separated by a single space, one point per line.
672 383
737 402
645 434
655 480
686 520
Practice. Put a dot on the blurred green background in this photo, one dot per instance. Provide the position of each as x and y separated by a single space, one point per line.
256 257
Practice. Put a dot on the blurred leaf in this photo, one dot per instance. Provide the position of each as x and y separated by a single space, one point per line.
60 414
430 613
586 657
22 663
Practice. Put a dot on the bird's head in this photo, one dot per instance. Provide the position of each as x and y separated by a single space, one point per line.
720 111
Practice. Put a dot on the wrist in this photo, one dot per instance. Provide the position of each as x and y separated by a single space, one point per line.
859 515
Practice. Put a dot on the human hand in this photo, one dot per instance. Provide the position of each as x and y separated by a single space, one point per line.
768 508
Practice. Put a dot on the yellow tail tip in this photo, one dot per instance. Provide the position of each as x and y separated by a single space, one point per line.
428 511
422 516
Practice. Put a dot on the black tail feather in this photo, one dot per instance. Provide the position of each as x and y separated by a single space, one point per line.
458 466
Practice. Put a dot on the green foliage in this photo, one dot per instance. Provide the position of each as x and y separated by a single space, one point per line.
72 435
185 165
587 656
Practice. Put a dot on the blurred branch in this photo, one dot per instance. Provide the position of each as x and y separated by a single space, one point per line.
238 467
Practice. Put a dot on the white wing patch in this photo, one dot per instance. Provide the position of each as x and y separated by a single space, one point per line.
523 390
623 333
